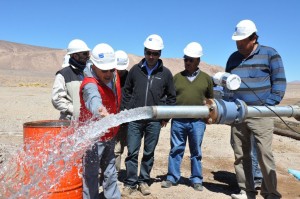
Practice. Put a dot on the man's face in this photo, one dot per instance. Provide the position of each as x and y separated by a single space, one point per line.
82 57
105 76
151 57
245 46
191 64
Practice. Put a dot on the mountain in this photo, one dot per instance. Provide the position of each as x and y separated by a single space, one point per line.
23 57
14 56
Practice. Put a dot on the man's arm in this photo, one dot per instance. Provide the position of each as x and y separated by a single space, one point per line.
59 98
278 80
93 100
170 91
127 92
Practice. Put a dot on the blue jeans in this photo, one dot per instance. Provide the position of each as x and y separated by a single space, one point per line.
136 130
181 129
101 155
257 175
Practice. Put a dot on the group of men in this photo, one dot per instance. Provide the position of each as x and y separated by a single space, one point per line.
94 84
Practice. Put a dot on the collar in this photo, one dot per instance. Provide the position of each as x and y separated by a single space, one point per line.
194 74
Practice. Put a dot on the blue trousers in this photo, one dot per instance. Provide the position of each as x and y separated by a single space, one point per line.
181 130
100 156
136 131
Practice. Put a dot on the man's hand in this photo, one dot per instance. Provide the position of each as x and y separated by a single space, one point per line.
102 111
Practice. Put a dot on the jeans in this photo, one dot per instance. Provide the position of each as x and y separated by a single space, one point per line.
257 175
100 156
181 129
150 130
120 143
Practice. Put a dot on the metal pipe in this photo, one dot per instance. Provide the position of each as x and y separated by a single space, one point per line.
163 112
222 112
262 111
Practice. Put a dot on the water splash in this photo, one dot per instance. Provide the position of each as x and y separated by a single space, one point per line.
26 173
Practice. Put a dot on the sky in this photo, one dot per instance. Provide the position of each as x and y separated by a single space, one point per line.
126 24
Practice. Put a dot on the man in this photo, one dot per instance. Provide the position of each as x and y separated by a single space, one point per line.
149 83
263 83
192 86
65 91
120 140
100 96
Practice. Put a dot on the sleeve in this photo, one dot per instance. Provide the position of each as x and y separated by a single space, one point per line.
170 91
127 91
278 80
92 98
60 99
210 88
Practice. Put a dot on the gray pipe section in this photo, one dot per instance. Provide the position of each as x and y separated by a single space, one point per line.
262 111
163 112
223 111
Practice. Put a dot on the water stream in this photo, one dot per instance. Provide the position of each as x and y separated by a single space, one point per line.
26 173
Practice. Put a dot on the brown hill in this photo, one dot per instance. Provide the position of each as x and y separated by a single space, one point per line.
23 57
14 56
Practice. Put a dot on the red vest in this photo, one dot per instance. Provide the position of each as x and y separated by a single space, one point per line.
109 100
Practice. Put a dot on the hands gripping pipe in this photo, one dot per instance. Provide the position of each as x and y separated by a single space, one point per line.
217 111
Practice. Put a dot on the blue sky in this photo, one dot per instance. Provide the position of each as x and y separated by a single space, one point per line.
126 24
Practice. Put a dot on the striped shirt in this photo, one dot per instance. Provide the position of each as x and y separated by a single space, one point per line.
262 74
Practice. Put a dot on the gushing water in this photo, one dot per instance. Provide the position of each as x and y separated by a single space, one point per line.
37 167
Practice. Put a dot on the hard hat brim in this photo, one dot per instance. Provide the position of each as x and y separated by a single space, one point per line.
239 37
122 67
153 47
78 51
104 66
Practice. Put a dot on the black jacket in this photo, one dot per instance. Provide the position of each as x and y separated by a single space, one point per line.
139 90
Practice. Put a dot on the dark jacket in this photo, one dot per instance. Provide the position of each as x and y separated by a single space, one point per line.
141 90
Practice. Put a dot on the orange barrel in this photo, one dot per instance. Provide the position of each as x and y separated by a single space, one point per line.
38 134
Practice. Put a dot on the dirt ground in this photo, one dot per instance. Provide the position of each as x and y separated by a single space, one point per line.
31 102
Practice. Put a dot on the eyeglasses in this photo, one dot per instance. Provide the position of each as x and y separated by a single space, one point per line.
111 70
189 60
85 53
152 53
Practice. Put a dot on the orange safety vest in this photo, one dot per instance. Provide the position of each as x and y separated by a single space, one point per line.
110 101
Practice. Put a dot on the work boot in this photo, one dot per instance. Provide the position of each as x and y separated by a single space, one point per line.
144 188
198 187
166 184
127 191
241 195
257 183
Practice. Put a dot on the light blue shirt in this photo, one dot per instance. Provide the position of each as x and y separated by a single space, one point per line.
149 70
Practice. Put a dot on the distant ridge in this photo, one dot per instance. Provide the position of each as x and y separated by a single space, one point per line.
295 82
24 57
14 56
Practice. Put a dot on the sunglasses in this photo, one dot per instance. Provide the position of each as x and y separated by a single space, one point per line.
152 53
189 60
84 53
111 70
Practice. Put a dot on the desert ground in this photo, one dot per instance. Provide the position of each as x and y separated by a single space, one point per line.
26 97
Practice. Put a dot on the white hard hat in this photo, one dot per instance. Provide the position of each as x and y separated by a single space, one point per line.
103 57
154 42
122 60
66 61
77 45
244 29
193 49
